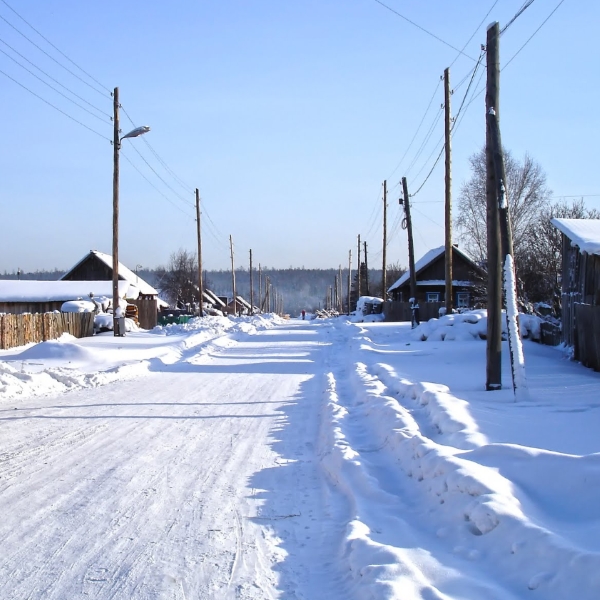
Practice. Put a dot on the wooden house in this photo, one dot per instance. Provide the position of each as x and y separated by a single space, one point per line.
98 266
430 273
580 283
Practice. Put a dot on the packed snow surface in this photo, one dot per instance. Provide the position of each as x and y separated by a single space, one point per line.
257 458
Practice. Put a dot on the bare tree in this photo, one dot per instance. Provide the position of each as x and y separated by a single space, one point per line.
527 194
178 279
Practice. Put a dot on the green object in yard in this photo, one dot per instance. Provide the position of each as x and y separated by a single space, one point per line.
173 319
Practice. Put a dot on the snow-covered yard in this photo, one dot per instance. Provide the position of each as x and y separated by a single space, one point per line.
257 458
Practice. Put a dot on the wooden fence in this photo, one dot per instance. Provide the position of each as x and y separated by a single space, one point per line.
587 335
18 330
400 311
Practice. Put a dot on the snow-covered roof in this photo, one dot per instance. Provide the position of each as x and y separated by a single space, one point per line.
243 302
584 233
128 275
455 282
427 258
60 291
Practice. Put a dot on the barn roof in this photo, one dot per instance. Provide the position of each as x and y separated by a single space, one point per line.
584 233
125 273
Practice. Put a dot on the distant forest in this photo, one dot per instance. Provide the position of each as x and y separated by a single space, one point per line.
301 288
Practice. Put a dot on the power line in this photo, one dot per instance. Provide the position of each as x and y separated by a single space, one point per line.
439 39
52 87
52 78
151 184
57 49
475 32
186 202
523 8
55 107
418 129
482 54
188 189
533 34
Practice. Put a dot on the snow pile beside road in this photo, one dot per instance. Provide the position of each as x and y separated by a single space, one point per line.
417 472
69 363
471 325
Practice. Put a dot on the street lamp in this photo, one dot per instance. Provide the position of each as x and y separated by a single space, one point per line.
136 271
115 245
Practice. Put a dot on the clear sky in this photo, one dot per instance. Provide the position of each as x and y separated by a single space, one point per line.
286 115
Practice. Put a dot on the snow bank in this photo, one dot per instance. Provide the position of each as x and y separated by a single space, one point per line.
471 325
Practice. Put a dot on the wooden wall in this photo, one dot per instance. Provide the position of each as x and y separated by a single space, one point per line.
147 312
400 311
18 330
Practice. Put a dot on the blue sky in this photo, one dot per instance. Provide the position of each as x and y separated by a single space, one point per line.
286 115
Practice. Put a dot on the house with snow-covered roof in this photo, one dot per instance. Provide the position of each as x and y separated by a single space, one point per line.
97 266
580 287
430 271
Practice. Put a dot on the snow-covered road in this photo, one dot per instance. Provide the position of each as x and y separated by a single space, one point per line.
299 460
167 486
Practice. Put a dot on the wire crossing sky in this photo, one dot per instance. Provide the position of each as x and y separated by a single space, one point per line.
286 116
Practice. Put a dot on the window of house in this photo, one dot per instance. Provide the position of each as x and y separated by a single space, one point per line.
433 296
462 299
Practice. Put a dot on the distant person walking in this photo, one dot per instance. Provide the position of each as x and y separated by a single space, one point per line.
303 314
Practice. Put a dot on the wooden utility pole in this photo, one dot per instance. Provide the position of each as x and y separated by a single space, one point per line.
367 292
199 230
384 269
259 287
358 285
349 278
233 277
115 240
341 292
448 182
411 248
494 271
251 287
515 345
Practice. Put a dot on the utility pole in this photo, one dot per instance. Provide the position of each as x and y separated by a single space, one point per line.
367 292
411 249
200 283
259 287
494 308
448 182
335 293
115 240
358 290
233 277
340 293
515 345
251 286
349 278
384 270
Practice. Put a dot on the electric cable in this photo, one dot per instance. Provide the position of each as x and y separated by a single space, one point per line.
52 87
439 39
57 49
53 79
52 58
55 107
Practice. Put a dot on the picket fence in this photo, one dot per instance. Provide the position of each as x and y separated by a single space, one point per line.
18 330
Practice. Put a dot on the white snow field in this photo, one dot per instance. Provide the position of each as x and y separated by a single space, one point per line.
257 458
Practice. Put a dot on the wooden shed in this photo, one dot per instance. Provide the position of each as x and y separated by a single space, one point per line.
580 288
